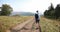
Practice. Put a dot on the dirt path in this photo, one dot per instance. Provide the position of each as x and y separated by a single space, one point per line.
29 26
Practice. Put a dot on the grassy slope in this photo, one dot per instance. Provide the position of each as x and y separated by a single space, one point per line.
6 21
49 25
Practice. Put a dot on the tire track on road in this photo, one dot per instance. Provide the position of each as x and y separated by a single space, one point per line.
28 27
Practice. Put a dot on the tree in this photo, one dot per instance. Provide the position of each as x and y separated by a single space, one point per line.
46 13
53 13
51 7
50 11
6 10
57 11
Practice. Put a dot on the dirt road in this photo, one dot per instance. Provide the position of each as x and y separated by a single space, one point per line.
28 26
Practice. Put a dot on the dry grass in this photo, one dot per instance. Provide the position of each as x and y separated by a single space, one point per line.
7 22
49 25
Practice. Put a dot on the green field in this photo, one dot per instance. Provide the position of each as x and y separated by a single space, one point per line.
6 22
49 25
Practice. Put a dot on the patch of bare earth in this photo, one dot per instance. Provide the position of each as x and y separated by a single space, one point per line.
30 26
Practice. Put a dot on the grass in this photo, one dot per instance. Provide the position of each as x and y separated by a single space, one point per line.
49 25
7 22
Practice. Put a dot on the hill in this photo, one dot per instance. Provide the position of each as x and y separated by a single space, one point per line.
22 13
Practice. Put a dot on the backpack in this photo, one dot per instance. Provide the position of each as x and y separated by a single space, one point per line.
36 16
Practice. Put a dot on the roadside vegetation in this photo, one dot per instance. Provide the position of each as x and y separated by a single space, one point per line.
49 25
53 13
51 20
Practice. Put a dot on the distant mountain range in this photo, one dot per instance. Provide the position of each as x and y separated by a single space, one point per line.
22 13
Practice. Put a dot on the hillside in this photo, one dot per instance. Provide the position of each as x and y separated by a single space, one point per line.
22 13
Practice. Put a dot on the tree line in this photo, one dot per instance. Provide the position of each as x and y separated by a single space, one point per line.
5 10
53 12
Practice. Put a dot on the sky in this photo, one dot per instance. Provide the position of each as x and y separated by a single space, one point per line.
29 5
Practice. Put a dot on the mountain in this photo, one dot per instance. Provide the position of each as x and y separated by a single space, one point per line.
22 13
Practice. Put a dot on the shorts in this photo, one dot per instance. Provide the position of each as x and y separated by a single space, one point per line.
37 21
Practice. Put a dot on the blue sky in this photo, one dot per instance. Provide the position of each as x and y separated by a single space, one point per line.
29 5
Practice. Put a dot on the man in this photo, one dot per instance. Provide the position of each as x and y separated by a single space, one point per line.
37 18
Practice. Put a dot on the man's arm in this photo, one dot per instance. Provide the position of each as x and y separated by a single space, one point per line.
39 16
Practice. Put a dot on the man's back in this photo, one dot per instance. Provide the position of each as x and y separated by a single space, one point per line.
36 16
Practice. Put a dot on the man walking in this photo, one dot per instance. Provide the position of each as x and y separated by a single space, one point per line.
37 18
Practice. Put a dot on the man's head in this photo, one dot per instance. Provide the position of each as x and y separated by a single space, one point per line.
37 11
